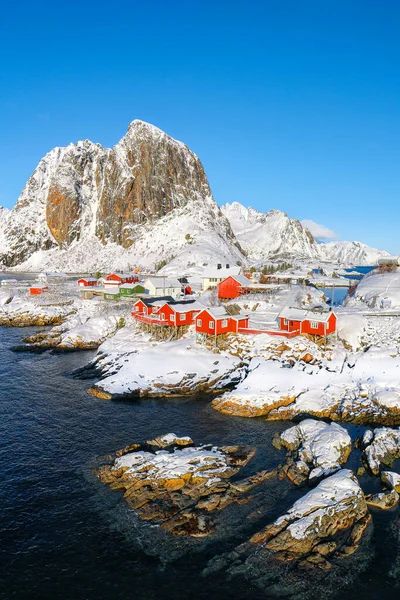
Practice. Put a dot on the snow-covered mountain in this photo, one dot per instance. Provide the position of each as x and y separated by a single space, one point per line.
146 200
274 235
270 235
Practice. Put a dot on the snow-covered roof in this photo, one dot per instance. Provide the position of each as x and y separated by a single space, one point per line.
131 286
301 314
163 282
182 306
113 291
219 312
242 279
222 273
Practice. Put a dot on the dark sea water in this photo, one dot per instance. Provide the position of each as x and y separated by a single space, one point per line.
336 294
64 535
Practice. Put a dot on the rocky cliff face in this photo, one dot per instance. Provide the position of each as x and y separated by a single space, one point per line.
85 191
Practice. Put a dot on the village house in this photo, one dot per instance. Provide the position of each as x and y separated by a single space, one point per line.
38 288
127 290
212 277
216 321
161 286
163 312
119 278
301 321
111 293
87 282
233 287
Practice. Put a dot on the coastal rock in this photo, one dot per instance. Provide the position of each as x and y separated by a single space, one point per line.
342 392
383 500
381 446
168 369
329 520
179 486
315 449
27 312
391 480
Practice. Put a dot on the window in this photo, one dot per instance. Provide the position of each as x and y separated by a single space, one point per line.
136 309
285 321
162 316
314 325
172 317
211 324
182 317
199 323
224 323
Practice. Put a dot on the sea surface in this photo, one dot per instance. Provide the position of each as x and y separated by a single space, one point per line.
64 535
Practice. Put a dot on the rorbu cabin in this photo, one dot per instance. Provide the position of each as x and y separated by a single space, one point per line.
120 278
87 282
233 287
215 321
111 294
128 290
307 322
162 286
145 306
38 288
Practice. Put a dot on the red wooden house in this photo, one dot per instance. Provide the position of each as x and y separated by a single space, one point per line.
301 321
87 282
233 287
215 321
166 312
37 289
119 278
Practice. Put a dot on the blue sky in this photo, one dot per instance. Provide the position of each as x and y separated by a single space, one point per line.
292 105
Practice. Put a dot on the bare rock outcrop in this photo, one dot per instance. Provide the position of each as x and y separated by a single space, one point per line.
170 482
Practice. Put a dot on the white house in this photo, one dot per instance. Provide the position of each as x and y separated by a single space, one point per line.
212 277
163 286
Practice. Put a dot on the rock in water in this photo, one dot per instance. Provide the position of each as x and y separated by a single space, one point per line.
328 520
381 446
315 449
180 486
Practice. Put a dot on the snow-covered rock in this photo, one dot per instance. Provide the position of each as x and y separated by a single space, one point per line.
168 369
180 486
315 524
382 447
320 447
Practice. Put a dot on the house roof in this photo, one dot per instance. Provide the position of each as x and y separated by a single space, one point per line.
87 279
150 301
182 306
131 286
222 273
115 292
163 282
301 314
219 313
242 279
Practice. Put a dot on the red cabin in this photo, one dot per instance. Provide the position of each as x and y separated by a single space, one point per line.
37 289
122 277
298 320
87 282
215 321
233 287
172 314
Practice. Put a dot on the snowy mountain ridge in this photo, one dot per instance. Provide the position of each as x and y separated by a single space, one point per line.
147 203
274 235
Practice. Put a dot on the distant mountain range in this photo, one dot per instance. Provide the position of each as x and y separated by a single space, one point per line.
147 203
